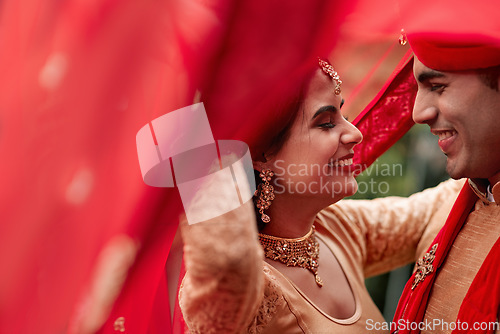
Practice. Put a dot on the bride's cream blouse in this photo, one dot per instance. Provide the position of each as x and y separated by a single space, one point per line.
229 288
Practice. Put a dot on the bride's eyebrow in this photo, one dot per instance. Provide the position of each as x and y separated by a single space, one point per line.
324 109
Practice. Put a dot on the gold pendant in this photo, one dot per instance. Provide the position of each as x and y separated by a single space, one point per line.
319 281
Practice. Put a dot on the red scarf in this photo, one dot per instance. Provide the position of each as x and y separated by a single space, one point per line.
483 297
482 301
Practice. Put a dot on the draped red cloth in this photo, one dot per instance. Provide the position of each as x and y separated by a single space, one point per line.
71 101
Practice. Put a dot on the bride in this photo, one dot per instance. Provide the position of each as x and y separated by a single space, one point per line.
301 268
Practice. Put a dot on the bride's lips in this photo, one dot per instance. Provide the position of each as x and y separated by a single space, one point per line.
344 163
446 139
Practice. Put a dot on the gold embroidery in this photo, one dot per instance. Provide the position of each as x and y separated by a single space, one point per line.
424 266
119 324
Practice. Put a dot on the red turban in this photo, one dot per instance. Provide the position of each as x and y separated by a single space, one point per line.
453 35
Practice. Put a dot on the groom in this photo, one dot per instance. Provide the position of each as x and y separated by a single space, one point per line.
456 285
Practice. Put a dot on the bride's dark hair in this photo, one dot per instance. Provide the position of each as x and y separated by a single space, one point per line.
292 108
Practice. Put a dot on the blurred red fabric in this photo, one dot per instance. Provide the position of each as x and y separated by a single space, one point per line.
78 82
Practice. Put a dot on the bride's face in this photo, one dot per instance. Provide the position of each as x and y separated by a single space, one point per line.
316 160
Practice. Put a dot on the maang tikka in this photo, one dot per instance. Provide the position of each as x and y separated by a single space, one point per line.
328 69
264 194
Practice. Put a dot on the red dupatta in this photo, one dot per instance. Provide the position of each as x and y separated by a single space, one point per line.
482 300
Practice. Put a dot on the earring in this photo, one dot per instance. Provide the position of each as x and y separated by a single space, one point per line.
265 194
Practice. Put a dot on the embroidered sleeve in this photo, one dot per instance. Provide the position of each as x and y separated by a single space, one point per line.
393 231
224 283
272 302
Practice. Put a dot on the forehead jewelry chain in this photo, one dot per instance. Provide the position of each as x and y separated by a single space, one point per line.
328 69
301 252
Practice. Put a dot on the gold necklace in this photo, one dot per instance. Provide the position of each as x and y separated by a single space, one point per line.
300 252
